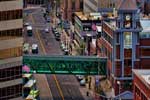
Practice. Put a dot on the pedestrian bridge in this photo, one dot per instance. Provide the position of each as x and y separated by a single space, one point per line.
84 65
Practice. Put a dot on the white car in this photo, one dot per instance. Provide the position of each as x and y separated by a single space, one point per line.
26 24
46 30
82 82
80 77
34 48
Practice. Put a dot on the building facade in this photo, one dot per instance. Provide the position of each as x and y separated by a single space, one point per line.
11 49
120 42
68 8
141 84
99 5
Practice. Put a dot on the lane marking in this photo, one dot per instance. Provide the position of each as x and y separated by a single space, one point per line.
44 51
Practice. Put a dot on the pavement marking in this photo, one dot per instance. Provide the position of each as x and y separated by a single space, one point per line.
37 34
58 86
44 51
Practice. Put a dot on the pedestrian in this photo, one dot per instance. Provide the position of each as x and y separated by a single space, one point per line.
87 93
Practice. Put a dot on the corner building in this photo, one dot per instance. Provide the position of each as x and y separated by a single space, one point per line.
120 41
11 49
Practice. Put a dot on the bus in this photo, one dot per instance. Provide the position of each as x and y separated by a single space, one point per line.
30 85
33 95
26 78
29 30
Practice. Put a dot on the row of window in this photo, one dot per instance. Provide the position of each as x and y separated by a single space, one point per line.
6 0
108 38
11 92
13 32
139 95
107 52
12 52
10 73
9 15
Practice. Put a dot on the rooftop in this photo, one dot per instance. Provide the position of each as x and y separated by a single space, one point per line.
127 5
88 16
144 76
145 25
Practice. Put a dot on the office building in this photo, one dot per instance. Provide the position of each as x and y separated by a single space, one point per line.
99 5
11 49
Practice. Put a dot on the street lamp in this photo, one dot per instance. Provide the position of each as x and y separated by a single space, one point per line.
119 83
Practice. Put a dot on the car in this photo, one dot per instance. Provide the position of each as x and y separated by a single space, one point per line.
46 30
56 33
80 77
66 52
48 19
26 24
54 30
82 82
63 47
26 48
34 48
57 36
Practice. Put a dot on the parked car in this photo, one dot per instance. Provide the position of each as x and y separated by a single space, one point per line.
26 24
82 82
26 48
66 52
80 77
48 19
46 30
57 36
63 47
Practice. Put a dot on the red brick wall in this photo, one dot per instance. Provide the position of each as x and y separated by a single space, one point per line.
137 51
142 87
118 68
118 51
145 63
145 42
107 29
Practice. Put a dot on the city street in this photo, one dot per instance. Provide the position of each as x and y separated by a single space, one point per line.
60 87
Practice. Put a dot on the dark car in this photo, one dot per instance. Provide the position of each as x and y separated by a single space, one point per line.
48 19
57 36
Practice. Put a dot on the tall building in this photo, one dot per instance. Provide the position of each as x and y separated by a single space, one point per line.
11 49
141 84
98 5
68 7
120 41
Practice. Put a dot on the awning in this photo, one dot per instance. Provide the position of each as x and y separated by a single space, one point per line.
127 95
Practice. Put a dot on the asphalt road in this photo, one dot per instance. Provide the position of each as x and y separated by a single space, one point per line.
61 86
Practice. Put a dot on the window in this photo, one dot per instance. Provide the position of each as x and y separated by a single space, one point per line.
127 40
127 63
127 20
12 14
117 37
13 32
10 92
10 73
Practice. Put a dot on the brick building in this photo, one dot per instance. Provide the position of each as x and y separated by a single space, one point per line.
11 49
68 7
121 43
141 84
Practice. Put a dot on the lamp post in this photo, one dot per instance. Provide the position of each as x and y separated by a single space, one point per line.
118 82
